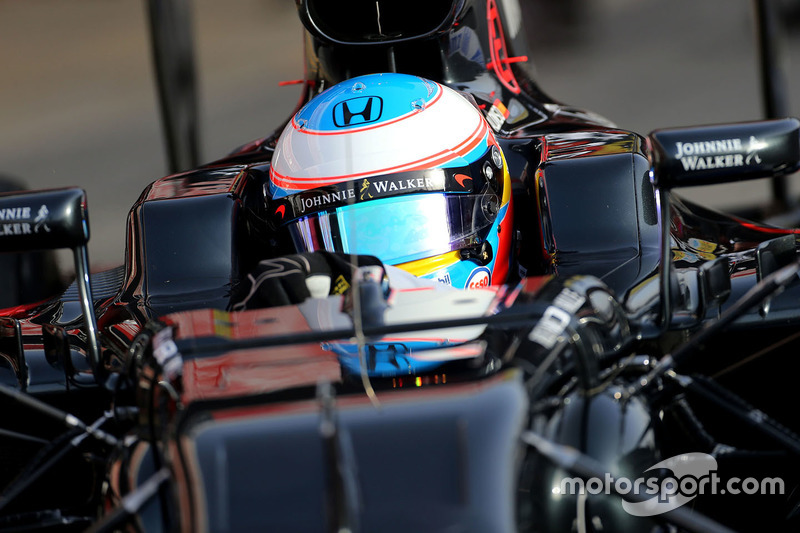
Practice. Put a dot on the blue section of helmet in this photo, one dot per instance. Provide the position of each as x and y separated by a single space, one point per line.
278 192
387 359
365 101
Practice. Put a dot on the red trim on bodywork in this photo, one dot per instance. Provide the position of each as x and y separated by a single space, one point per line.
766 229
22 311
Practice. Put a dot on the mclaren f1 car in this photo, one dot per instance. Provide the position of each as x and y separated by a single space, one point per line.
614 357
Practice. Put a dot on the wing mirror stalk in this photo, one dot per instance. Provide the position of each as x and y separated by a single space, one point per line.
707 155
48 220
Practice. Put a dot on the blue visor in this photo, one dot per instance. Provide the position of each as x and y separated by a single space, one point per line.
400 229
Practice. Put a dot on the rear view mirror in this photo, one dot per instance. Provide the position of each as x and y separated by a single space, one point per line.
705 155
48 220
43 220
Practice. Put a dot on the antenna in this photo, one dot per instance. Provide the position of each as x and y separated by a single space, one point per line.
378 12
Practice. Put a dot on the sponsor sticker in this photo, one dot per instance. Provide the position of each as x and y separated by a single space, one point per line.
719 153
479 278
372 188
497 115
22 221
444 277
357 111
340 285
556 318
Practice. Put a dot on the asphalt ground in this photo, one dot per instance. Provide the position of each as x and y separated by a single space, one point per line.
78 102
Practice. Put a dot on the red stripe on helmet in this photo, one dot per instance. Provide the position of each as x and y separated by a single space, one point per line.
432 161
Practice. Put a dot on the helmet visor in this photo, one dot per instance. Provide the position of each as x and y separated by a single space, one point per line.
399 229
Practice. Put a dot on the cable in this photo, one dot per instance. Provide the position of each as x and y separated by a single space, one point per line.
30 475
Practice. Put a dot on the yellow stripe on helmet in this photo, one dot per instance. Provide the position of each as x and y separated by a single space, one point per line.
420 267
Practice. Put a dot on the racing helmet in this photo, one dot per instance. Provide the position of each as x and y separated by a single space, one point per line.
401 168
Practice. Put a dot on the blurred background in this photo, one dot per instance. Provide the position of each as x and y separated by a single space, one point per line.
78 100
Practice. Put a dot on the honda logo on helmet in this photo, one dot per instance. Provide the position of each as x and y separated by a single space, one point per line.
357 111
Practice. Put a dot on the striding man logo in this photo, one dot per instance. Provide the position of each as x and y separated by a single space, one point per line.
365 190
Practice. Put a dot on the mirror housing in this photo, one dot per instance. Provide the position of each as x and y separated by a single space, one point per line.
49 220
708 155
705 155
43 220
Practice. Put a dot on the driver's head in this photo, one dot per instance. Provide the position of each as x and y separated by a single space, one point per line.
401 168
